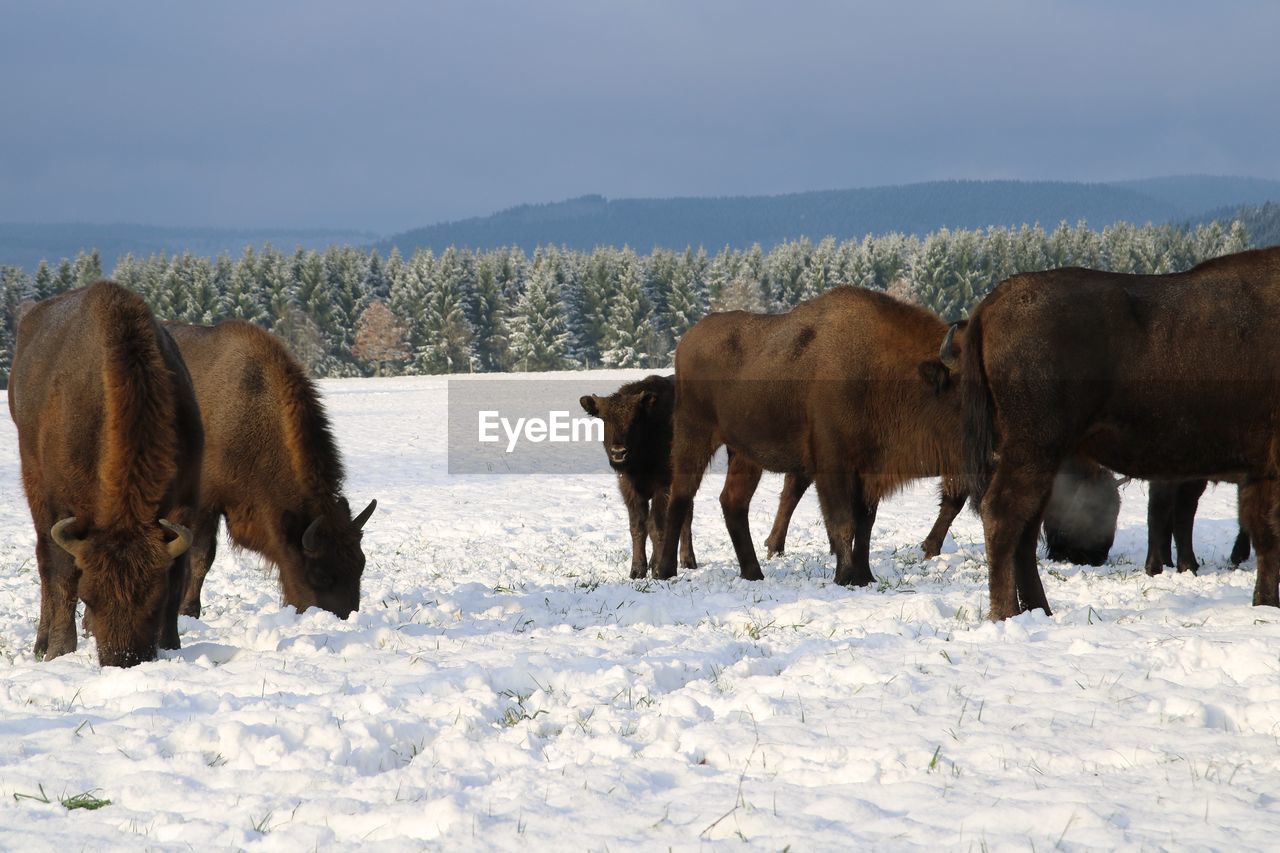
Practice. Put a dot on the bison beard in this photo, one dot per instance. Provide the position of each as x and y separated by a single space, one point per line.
1161 377
271 468
110 441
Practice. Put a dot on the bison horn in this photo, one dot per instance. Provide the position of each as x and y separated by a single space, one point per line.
360 519
946 353
311 536
179 546
64 540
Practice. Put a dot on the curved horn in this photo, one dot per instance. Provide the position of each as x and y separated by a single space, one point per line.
310 540
946 353
179 546
360 519
65 542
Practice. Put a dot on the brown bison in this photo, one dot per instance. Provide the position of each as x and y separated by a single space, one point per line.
832 390
270 468
637 440
110 440
1159 377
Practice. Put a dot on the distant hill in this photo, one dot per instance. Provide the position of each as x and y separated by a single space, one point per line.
739 221
26 245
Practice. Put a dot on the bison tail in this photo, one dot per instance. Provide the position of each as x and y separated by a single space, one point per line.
978 411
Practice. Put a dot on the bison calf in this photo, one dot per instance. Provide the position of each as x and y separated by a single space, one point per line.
110 441
637 440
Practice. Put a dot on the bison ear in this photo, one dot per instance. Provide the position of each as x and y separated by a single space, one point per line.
935 374
648 399
590 405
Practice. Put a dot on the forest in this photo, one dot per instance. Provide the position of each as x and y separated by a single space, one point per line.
347 311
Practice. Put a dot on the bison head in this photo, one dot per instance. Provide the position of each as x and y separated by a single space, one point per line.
937 372
125 579
332 560
626 419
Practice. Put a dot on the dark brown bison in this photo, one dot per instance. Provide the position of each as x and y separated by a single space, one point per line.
637 440
832 390
951 501
1159 377
1080 517
1171 515
270 468
110 440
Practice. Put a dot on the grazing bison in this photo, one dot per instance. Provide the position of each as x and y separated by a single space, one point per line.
110 440
270 468
637 440
1171 515
1159 377
1080 517
951 501
831 390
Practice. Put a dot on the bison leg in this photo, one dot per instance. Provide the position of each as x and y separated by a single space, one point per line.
204 545
793 489
638 520
864 518
735 501
1162 498
1240 551
1259 512
949 507
1011 514
691 451
657 524
836 497
1027 575
1184 520
59 586
687 558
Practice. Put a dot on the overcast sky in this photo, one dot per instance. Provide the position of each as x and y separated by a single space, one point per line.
388 115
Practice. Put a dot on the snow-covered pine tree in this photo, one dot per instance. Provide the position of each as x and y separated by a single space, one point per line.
492 341
242 299
630 337
44 286
687 302
539 329
446 333
87 269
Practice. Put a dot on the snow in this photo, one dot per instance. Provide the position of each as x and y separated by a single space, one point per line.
505 686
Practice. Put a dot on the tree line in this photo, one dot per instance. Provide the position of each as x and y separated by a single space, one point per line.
346 311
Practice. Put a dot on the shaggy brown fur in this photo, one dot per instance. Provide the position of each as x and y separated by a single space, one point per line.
637 441
1159 377
832 390
271 468
109 434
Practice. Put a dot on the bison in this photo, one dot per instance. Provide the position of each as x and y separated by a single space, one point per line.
832 390
637 439
271 468
110 443
1154 376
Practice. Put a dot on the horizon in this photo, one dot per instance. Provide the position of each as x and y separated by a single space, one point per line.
356 229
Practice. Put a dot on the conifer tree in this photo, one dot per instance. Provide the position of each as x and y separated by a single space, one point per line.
630 339
539 330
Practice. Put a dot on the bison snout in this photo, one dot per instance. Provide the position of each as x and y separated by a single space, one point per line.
617 454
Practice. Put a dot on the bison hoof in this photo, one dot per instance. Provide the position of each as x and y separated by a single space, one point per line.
1154 570
773 549
857 580
931 550
640 572
1187 567
690 563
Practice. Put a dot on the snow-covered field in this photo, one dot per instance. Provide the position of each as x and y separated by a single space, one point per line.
503 685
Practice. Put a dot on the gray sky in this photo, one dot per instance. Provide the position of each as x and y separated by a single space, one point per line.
391 115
